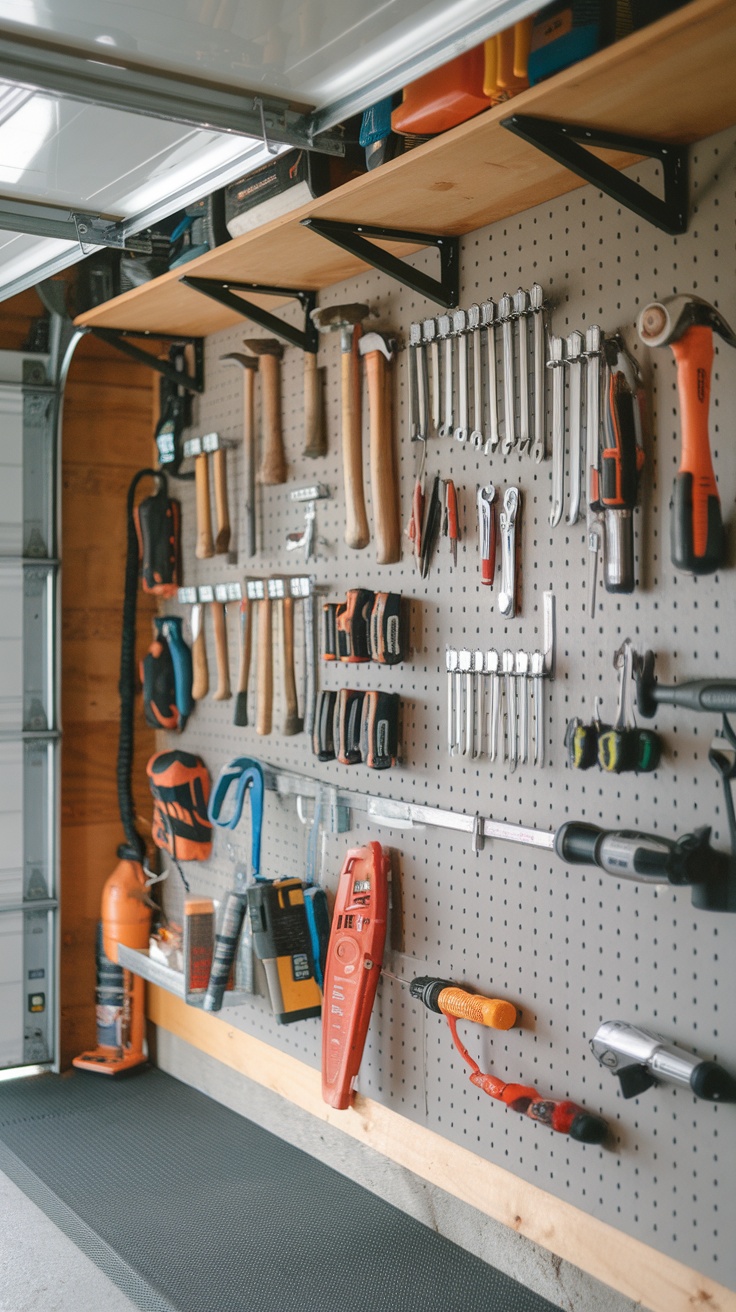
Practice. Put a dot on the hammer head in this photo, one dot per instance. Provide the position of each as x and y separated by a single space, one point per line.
237 357
663 322
370 342
333 318
264 346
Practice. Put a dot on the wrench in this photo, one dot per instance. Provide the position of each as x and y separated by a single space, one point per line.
443 332
592 445
486 498
459 321
476 435
492 666
451 666
508 521
465 662
522 690
575 374
479 689
536 295
420 364
555 363
537 664
521 314
507 665
488 316
509 393
429 328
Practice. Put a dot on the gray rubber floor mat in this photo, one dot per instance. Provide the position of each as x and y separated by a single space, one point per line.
188 1206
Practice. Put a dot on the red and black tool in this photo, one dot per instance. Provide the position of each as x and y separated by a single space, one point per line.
387 629
687 324
354 958
379 730
352 624
450 521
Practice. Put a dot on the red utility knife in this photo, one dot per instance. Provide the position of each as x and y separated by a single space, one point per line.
354 957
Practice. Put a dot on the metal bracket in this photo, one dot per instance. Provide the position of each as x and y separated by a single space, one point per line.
222 292
63 224
118 337
351 237
561 141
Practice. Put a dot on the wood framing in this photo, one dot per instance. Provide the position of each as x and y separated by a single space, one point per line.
653 1279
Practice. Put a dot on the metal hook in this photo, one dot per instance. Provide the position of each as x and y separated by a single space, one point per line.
258 104
479 838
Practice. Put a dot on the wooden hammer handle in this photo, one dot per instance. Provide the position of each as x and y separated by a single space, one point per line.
357 533
222 514
249 460
273 460
292 722
222 692
264 669
200 670
205 545
246 643
384 483
315 435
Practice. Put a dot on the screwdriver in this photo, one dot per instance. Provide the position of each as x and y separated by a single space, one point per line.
442 996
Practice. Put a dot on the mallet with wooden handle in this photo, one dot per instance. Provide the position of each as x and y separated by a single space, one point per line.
346 319
249 365
273 456
200 672
280 590
205 546
214 445
223 692
377 352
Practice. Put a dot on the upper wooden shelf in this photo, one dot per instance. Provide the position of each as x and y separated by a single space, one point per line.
674 81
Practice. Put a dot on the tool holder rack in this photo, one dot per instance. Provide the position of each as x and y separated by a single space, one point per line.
570 946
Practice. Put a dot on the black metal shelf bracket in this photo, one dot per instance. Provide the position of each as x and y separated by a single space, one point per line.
565 143
351 237
118 337
221 290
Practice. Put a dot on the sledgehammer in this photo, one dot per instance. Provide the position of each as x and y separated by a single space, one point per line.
345 319
687 324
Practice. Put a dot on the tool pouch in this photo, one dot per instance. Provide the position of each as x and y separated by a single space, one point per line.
180 785
157 524
167 677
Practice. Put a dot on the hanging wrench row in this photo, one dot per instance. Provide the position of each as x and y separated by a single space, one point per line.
572 356
495 705
443 407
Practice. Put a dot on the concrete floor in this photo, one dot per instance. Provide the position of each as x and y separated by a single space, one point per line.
41 1270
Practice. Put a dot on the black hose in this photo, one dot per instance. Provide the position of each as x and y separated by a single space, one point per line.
134 847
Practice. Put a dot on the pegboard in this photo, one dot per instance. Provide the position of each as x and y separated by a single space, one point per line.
569 946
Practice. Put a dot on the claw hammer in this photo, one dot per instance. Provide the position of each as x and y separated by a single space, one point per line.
687 324
346 319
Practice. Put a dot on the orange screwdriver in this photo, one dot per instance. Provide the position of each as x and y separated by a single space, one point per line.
446 998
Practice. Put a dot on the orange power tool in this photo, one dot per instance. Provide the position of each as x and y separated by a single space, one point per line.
687 324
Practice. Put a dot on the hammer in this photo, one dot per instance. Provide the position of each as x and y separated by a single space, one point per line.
687 324
345 319
273 456
376 351
249 364
202 447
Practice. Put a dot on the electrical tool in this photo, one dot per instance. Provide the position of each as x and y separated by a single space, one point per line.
454 1003
687 324
272 470
711 695
249 365
346 319
354 958
377 352
641 1058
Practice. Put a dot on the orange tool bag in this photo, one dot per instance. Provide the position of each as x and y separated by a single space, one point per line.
180 784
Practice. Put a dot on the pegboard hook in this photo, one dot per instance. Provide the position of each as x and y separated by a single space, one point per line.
479 837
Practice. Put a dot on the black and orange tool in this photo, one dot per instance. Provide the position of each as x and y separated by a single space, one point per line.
614 485
281 941
386 631
379 730
328 635
450 522
347 725
458 1004
352 626
353 967
687 324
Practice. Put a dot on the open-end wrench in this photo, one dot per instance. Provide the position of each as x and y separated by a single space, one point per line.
429 331
575 373
476 435
420 365
480 704
536 295
594 525
451 665
507 665
465 665
537 668
488 319
555 363
522 694
509 392
459 323
444 334
487 532
521 314
492 666
508 520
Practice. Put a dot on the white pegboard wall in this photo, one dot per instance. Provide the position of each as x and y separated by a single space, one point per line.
568 946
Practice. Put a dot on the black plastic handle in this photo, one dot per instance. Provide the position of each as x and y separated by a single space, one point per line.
576 842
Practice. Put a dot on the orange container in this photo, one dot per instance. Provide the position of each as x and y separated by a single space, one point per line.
443 98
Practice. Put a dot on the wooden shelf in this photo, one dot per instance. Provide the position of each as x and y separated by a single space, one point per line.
673 81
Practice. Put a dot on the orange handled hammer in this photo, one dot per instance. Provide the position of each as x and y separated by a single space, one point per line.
687 324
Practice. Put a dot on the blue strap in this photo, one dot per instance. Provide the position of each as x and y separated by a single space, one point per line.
247 776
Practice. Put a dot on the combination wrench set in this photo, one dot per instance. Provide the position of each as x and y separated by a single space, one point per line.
446 375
